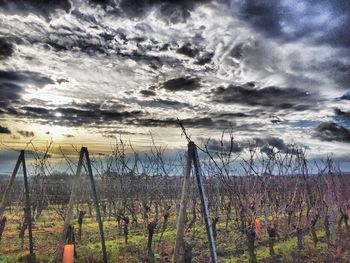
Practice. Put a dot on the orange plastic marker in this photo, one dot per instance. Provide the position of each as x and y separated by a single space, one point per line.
68 254
258 227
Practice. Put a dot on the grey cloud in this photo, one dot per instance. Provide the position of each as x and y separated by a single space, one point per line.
43 7
273 17
80 116
265 144
188 50
195 51
9 93
24 77
94 114
109 41
148 93
337 68
263 15
26 134
204 122
171 11
346 96
11 85
92 117
204 58
164 103
237 51
115 44
239 114
182 84
74 116
6 48
4 130
274 97
342 114
115 133
340 35
226 146
330 131
36 111
269 143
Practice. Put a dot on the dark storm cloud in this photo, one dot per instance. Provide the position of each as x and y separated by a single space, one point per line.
237 51
26 134
275 97
4 130
203 122
283 20
188 50
226 146
9 93
115 44
83 116
342 114
172 11
63 37
178 10
346 96
148 93
164 103
36 111
43 7
196 52
337 68
6 48
270 17
269 143
70 116
182 84
238 114
204 58
330 131
11 85
265 144
24 77
339 36
264 15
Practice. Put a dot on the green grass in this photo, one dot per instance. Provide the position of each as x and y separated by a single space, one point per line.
48 229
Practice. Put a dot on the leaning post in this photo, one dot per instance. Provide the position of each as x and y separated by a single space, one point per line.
5 196
179 241
98 214
28 213
69 213
204 203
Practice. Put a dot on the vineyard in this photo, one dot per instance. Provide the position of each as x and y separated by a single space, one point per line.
210 204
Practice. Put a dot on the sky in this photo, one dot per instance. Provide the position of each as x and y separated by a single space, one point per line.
76 72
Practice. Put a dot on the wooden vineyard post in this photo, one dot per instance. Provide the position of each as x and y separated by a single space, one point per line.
98 214
204 203
6 194
192 156
28 213
73 197
69 213
180 232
